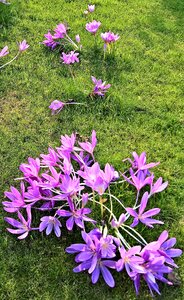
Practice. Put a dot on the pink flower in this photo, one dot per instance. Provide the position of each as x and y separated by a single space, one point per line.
93 26
23 46
91 8
70 58
89 147
4 51
60 31
56 106
109 37
49 42
100 88
77 38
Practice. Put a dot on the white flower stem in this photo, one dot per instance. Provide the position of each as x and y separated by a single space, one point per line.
9 62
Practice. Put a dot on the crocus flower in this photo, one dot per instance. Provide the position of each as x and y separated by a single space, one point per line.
77 216
49 223
121 220
17 199
139 180
158 186
23 227
31 169
109 37
131 260
50 159
56 106
100 88
93 26
166 248
49 42
91 257
60 31
154 269
70 187
77 38
89 147
70 58
68 142
91 8
142 216
23 46
139 162
4 51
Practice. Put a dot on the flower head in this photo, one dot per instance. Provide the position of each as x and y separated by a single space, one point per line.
56 106
77 216
93 26
77 38
4 51
87 146
91 8
70 58
23 227
100 88
49 223
60 31
17 199
23 46
109 37
49 42
142 216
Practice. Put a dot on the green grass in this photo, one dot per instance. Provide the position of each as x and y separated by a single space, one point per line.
143 111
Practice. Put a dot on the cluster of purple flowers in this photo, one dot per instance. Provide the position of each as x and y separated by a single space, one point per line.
65 184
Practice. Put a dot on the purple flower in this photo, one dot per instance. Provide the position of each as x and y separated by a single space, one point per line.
109 37
70 186
56 106
23 227
121 220
23 46
154 269
77 38
100 87
89 147
68 142
50 159
166 248
49 223
139 162
4 51
77 216
70 58
91 256
144 217
49 42
17 199
91 8
93 26
31 170
139 180
158 186
131 260
60 31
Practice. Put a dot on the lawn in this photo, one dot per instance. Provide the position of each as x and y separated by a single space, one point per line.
143 111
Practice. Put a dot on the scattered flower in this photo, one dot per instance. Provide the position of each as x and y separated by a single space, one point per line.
4 51
91 8
49 223
70 58
93 26
23 46
100 88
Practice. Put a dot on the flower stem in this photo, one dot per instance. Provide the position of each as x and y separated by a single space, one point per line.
6 64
